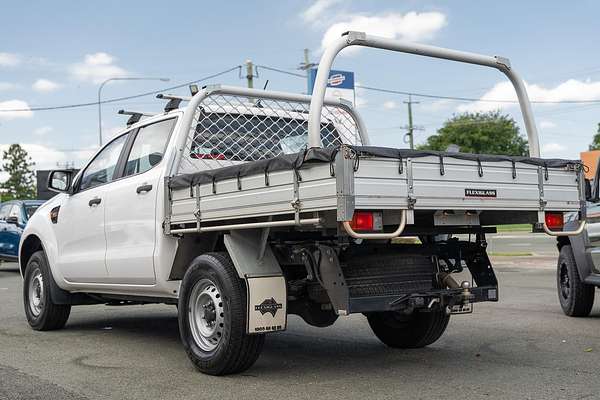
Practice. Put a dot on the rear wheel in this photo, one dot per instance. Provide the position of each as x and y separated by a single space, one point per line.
576 298
212 317
415 330
42 314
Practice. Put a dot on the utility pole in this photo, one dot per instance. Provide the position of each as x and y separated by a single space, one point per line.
306 66
411 128
250 73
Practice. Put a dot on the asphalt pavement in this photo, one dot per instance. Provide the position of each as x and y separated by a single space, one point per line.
520 348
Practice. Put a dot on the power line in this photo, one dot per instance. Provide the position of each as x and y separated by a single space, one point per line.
473 99
441 97
281 71
118 99
278 70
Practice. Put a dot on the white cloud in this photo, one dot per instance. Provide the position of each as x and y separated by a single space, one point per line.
96 68
317 9
14 105
553 149
43 130
9 59
46 157
569 90
7 86
45 85
412 26
547 124
390 105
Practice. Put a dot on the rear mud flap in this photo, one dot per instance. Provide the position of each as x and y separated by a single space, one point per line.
265 284
267 306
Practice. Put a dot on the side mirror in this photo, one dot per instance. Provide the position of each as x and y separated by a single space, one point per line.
60 181
13 219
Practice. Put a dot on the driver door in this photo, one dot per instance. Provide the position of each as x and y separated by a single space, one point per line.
80 228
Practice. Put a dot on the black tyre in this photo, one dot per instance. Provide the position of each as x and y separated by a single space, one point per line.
212 317
412 331
576 298
42 314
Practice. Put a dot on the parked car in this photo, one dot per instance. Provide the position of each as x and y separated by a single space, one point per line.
14 215
578 269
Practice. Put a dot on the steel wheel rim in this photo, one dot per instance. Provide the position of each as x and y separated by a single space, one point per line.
206 315
36 292
565 285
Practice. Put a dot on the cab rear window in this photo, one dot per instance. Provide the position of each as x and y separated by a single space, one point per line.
238 137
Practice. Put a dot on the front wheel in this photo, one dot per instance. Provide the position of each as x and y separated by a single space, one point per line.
412 331
212 317
576 298
41 312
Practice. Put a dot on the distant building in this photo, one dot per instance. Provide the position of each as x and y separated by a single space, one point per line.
590 160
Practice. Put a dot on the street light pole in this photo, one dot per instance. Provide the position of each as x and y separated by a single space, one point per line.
125 78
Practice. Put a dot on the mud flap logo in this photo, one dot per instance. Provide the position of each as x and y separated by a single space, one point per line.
268 306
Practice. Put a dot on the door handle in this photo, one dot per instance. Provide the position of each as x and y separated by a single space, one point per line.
95 201
143 188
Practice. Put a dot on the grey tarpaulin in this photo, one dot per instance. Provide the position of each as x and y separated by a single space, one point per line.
326 155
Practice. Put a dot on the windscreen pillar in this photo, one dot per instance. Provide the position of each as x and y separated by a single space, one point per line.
362 39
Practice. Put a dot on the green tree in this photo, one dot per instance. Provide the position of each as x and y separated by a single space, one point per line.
480 133
20 183
596 141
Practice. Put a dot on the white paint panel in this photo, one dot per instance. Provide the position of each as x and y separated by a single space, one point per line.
380 185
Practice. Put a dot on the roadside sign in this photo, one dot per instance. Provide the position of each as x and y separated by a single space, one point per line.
340 84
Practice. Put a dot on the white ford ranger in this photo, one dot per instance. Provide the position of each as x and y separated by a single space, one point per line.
246 206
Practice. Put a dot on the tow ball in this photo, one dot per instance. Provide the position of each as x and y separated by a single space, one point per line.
465 307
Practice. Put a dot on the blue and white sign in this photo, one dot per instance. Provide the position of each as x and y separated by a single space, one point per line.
340 84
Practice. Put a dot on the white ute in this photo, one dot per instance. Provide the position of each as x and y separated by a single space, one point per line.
246 206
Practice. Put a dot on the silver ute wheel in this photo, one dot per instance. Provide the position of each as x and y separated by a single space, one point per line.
36 293
213 315
206 315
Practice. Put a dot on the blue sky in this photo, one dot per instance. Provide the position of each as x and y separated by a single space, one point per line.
55 53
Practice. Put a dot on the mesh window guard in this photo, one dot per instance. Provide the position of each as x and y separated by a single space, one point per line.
231 129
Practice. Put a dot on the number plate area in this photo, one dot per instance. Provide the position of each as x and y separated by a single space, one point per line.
461 308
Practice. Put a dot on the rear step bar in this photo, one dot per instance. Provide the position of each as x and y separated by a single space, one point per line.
443 297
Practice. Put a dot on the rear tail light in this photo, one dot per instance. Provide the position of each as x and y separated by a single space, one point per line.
554 220
367 221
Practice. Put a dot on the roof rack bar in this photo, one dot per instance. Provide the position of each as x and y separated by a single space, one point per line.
135 116
174 101
173 97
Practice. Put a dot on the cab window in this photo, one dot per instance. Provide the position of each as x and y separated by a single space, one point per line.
149 147
30 209
101 169
4 210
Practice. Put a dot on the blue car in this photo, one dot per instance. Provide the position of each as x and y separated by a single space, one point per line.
14 215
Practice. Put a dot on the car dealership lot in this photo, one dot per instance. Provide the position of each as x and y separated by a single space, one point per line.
522 347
